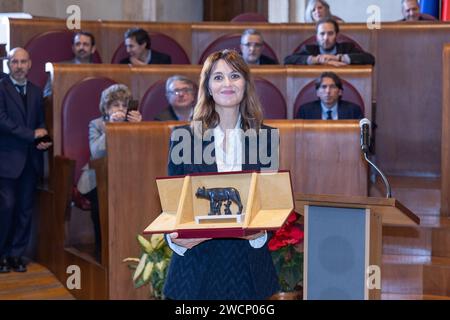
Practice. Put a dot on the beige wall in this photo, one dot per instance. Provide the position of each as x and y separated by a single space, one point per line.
139 10
192 10
348 10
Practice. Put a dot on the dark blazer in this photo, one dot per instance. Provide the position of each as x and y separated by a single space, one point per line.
166 115
17 126
266 60
3 75
313 110
157 58
356 55
225 269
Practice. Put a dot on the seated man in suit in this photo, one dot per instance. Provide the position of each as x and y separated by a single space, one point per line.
411 12
180 93
83 48
138 45
329 106
252 44
329 52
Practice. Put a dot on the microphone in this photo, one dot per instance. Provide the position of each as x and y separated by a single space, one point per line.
364 124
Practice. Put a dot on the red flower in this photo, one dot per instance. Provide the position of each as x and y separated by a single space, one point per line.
289 233
286 255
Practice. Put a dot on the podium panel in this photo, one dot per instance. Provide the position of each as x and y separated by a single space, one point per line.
337 253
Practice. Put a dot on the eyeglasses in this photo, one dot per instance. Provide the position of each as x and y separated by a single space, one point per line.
253 44
181 91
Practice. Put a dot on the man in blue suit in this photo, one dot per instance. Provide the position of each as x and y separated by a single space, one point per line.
21 162
330 106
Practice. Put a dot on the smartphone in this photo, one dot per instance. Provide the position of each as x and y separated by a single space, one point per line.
45 138
132 106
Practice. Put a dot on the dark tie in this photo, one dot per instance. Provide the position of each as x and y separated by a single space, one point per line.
21 89
329 115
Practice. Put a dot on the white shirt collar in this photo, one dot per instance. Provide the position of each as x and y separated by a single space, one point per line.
232 159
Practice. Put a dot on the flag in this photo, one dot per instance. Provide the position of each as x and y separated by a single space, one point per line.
445 10
430 7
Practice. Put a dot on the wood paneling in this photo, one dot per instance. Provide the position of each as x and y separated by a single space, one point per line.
225 10
445 145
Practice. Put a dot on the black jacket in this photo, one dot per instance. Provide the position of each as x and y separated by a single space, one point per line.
313 110
356 55
157 58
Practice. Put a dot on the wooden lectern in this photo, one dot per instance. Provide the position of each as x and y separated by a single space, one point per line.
343 244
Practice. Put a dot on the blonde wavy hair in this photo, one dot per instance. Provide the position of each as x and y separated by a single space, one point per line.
250 106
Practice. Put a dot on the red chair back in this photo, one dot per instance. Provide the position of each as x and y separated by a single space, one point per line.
340 38
154 101
308 94
80 106
272 101
51 46
232 41
160 42
249 17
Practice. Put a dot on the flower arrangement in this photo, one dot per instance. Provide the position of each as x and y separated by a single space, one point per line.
287 255
151 267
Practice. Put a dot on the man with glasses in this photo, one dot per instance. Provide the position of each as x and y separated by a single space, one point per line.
180 93
329 106
252 44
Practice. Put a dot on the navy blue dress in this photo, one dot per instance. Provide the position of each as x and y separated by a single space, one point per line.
221 269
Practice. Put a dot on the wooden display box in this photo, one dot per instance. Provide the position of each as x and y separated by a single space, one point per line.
266 197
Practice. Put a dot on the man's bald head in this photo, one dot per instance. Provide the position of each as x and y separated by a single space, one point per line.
19 64
410 10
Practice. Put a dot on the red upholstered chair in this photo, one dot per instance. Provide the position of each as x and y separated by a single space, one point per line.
308 94
51 46
249 17
154 101
340 38
272 101
160 42
80 105
232 41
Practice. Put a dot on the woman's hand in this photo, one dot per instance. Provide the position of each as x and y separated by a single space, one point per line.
118 116
186 243
134 116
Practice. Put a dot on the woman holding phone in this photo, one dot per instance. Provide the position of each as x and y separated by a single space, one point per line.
114 103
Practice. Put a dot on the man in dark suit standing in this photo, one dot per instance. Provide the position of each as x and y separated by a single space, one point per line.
21 161
138 45
252 44
329 52
329 106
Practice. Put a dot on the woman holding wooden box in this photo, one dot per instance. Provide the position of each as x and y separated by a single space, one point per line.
227 122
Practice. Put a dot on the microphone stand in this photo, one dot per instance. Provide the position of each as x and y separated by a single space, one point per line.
386 182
